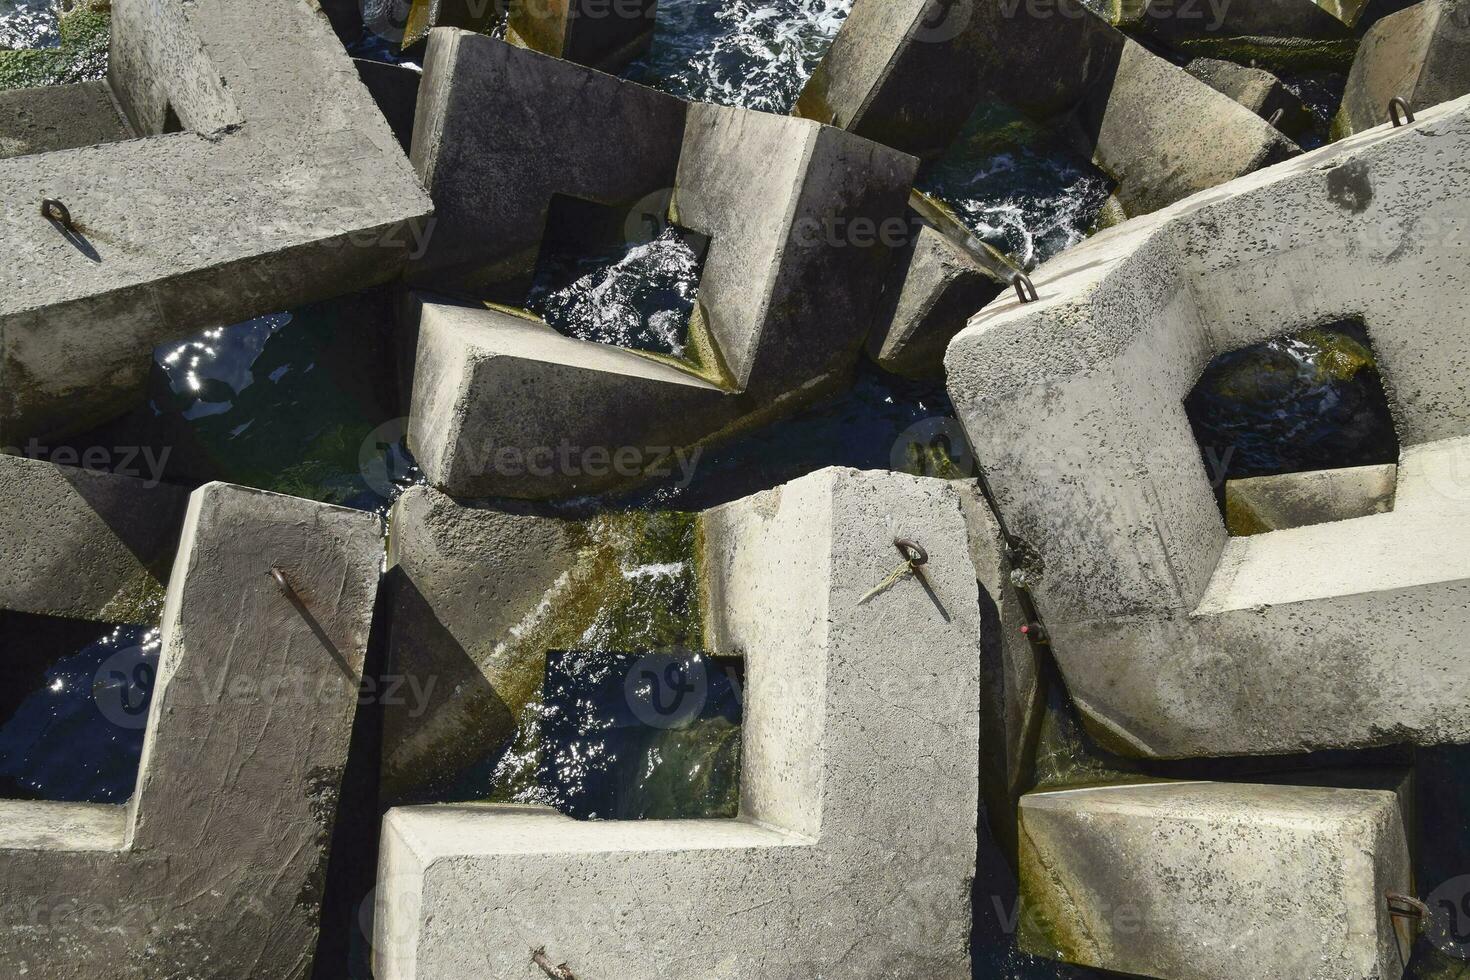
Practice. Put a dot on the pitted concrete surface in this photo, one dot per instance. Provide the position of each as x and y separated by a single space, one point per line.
1176 640
1420 54
830 870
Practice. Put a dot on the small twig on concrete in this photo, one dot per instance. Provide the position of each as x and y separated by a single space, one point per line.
559 972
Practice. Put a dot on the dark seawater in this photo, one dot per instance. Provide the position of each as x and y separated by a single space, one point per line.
29 24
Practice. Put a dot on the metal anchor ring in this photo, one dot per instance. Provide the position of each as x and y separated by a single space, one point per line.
1402 906
912 551
54 210
1399 111
1025 291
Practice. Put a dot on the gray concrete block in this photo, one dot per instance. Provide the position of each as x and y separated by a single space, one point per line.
59 117
85 545
480 16
216 866
1216 881
802 219
1277 503
830 868
500 130
466 586
285 186
605 34
505 406
1175 639
1288 36
1420 54
1257 89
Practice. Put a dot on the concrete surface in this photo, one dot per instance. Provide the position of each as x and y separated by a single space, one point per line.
1257 89
395 90
479 16
216 866
1420 54
59 117
1175 639
284 187
1288 36
82 544
605 34
1277 503
464 584
577 133
802 220
1216 881
830 870
505 406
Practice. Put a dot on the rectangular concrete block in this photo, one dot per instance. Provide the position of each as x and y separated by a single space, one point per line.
1276 503
1420 54
85 545
605 34
1216 881
856 838
59 117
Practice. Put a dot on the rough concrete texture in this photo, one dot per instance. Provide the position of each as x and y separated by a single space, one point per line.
463 584
938 281
910 72
85 545
830 870
480 16
285 187
59 117
1257 89
503 405
1216 881
1276 503
1175 639
500 130
216 866
395 90
1420 54
605 34
1282 35
797 215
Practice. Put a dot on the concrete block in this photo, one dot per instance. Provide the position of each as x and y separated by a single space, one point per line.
1257 89
941 279
831 869
480 16
1420 54
605 34
59 117
216 866
1175 639
1288 36
1276 503
503 405
283 187
465 586
1216 881
395 89
500 130
800 219
85 545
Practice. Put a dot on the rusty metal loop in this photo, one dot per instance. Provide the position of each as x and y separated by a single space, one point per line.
912 551
54 210
280 578
1407 907
1275 119
1024 290
1396 105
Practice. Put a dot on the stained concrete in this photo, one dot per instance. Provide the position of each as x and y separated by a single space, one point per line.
83 544
577 133
284 187
605 34
1258 90
1176 640
1420 54
1292 36
830 869
1276 503
59 117
480 16
216 866
1216 881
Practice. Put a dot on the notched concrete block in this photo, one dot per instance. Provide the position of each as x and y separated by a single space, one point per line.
1275 503
1420 54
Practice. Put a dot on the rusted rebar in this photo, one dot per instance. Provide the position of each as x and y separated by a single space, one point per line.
558 972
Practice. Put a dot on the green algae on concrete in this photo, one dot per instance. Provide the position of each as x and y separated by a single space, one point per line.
86 31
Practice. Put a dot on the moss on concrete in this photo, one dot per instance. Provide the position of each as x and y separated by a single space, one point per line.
86 32
1281 56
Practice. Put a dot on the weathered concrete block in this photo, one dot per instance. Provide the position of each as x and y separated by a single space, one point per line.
500 130
283 188
1257 89
605 34
503 405
465 587
59 117
1175 639
941 279
836 747
1420 54
395 89
1276 503
801 219
479 16
1216 881
216 866
85 545
1282 35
